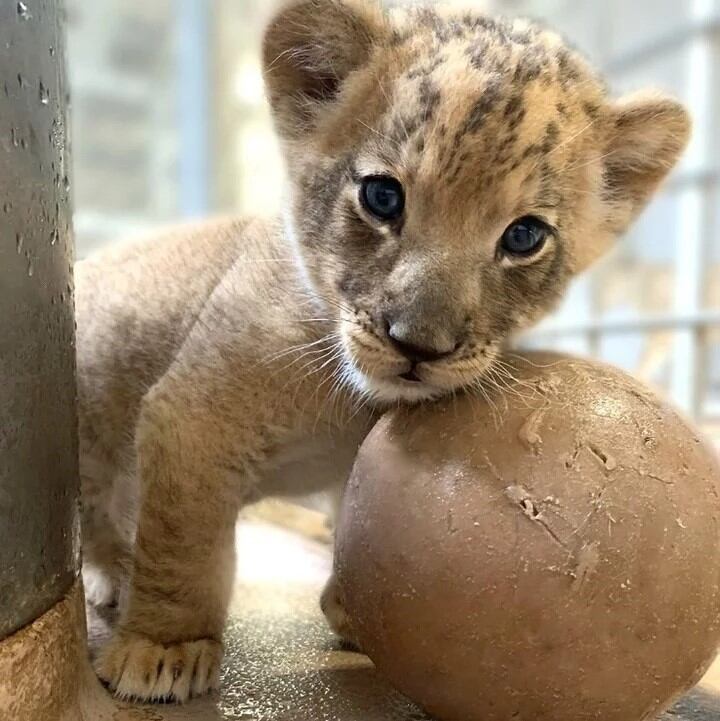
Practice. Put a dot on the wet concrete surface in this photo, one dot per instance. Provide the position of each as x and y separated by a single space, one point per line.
283 663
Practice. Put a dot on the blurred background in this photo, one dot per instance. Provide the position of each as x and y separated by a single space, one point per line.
169 121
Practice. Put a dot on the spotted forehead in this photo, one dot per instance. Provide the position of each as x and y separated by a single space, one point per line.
473 90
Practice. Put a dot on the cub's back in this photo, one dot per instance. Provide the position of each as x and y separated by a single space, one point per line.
135 304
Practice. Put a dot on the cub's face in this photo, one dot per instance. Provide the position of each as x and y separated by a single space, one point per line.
450 174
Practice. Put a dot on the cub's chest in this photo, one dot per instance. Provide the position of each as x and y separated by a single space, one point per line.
312 463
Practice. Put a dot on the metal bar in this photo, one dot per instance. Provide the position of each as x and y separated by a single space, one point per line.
705 27
648 323
704 177
193 87
690 238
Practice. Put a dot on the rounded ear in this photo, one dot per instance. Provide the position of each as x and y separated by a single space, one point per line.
647 135
309 49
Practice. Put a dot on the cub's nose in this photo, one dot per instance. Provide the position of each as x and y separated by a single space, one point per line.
419 347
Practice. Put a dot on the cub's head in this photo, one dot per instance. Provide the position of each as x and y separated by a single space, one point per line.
449 175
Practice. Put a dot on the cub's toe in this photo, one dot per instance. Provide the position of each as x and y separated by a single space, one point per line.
139 669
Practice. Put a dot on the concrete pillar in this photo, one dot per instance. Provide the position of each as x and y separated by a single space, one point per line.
38 446
43 666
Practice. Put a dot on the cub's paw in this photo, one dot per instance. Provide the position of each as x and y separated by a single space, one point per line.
101 590
332 607
138 669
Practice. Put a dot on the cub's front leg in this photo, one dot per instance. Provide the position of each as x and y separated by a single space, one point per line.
167 645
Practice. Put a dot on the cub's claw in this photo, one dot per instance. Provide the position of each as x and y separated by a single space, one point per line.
138 669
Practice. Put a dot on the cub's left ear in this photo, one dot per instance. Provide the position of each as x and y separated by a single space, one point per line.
309 50
647 134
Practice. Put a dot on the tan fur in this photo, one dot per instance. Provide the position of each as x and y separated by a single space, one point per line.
230 361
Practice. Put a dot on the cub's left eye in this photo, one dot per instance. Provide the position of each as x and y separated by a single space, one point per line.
524 237
383 197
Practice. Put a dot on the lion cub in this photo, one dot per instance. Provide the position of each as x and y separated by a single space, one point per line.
449 175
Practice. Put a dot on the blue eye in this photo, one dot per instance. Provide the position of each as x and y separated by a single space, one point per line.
525 236
383 196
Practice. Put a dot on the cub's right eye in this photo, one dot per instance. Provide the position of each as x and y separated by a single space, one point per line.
382 196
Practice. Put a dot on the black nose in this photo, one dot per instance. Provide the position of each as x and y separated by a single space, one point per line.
415 350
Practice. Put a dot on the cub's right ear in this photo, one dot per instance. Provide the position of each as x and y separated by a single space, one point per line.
310 48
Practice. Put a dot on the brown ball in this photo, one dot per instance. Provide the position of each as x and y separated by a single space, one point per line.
556 558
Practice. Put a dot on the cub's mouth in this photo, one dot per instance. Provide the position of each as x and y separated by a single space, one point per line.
380 371
411 376
406 387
